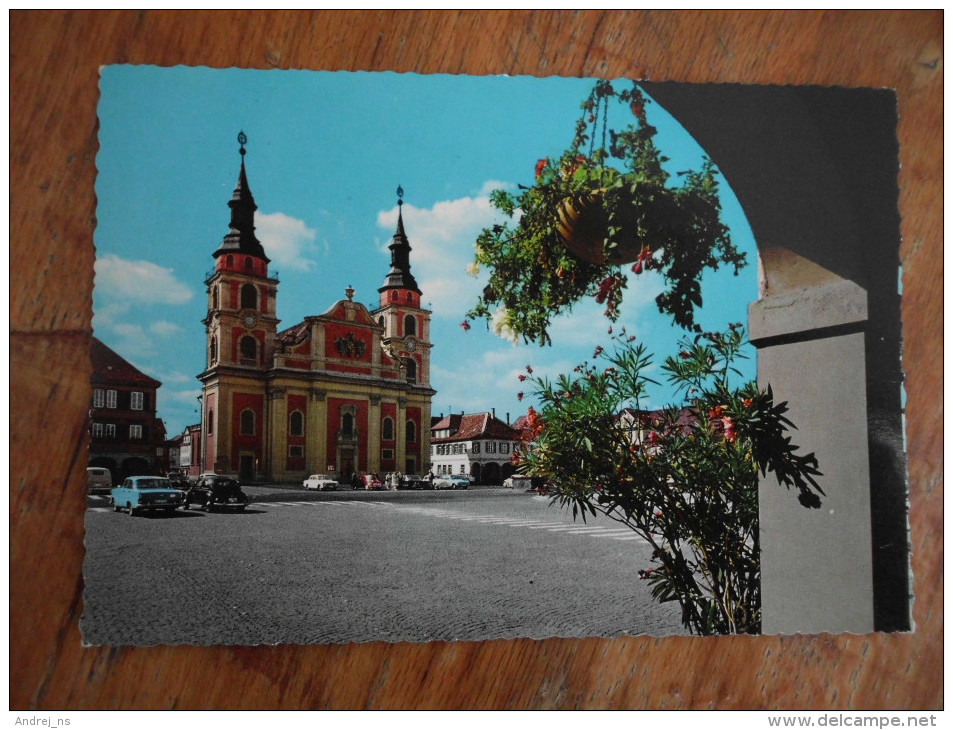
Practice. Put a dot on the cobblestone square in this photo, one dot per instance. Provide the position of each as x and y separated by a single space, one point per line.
342 567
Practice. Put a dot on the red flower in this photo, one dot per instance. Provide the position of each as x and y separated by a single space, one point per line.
644 256
464 325
592 118
652 438
716 412
598 351
522 377
729 425
529 369
540 166
685 354
519 396
746 402
638 109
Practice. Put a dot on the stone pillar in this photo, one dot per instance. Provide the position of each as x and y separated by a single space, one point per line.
374 434
400 435
275 446
317 434
811 350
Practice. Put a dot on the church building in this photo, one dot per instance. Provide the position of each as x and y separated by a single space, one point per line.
344 392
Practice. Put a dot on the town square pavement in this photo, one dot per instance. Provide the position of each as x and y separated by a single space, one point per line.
338 567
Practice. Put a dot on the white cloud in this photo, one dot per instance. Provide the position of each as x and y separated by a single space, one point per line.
184 396
173 377
139 281
165 329
442 239
490 185
287 241
134 343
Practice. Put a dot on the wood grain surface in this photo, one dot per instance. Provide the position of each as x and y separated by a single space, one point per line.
55 59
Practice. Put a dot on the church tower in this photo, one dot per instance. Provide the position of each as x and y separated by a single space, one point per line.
240 328
406 324
344 393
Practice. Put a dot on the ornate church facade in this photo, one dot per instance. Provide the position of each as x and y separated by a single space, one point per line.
344 392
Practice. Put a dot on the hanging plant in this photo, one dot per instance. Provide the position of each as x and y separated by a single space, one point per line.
602 209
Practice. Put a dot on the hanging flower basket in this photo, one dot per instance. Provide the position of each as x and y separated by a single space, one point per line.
583 224
591 212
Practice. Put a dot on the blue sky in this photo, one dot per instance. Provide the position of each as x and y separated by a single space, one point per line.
326 152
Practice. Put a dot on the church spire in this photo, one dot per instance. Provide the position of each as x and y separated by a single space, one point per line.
400 276
241 229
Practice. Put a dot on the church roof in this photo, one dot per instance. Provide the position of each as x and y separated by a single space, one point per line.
241 229
399 276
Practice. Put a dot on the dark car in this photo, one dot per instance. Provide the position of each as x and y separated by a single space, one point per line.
413 481
216 491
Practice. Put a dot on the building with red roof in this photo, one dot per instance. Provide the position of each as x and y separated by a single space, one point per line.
478 445
126 437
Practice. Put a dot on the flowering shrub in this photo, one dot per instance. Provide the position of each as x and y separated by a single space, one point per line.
604 204
685 478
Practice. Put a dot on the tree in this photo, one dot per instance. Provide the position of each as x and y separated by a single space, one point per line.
684 478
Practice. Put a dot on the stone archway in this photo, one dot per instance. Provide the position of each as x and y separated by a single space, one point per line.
492 473
135 466
815 170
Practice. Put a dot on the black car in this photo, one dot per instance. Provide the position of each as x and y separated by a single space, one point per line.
214 491
413 481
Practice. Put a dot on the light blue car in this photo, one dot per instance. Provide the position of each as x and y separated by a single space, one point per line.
144 493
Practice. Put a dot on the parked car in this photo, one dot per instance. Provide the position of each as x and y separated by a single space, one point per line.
145 493
413 481
321 482
451 481
213 491
518 481
371 481
99 480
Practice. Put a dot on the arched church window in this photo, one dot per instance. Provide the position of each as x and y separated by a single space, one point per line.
410 325
410 370
410 298
248 263
215 297
213 350
347 424
228 261
248 347
247 423
380 321
249 297
210 422
296 423
387 429
393 296
411 431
